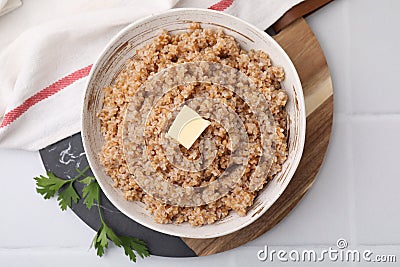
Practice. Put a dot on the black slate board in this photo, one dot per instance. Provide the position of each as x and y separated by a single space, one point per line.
63 157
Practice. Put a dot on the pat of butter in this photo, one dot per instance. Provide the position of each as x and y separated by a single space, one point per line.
187 127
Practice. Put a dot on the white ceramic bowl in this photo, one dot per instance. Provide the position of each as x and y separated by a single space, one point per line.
112 60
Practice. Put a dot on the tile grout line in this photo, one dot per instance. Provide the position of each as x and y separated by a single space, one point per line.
305 246
347 52
40 249
348 130
352 204
368 115
348 117
374 116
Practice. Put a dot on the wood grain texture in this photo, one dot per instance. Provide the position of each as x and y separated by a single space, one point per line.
298 11
303 48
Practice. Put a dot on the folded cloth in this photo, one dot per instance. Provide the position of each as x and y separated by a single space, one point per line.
7 6
43 72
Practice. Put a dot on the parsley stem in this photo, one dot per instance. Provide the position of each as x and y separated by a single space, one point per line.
81 172
99 207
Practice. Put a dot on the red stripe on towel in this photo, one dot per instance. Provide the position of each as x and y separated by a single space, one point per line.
43 94
221 5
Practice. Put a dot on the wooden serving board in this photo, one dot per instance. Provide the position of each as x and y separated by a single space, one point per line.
303 48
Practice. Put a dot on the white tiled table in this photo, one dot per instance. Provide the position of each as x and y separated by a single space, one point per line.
356 195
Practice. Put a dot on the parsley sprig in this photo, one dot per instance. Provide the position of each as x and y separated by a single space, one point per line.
49 185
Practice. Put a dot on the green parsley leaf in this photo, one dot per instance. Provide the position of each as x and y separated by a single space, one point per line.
140 247
100 242
102 239
111 235
131 244
66 196
87 180
126 244
48 186
90 191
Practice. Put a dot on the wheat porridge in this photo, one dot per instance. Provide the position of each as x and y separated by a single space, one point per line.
194 45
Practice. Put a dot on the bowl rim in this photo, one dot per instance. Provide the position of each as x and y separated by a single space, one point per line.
302 121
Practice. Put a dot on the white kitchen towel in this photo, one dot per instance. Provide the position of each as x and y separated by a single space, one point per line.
7 6
43 71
